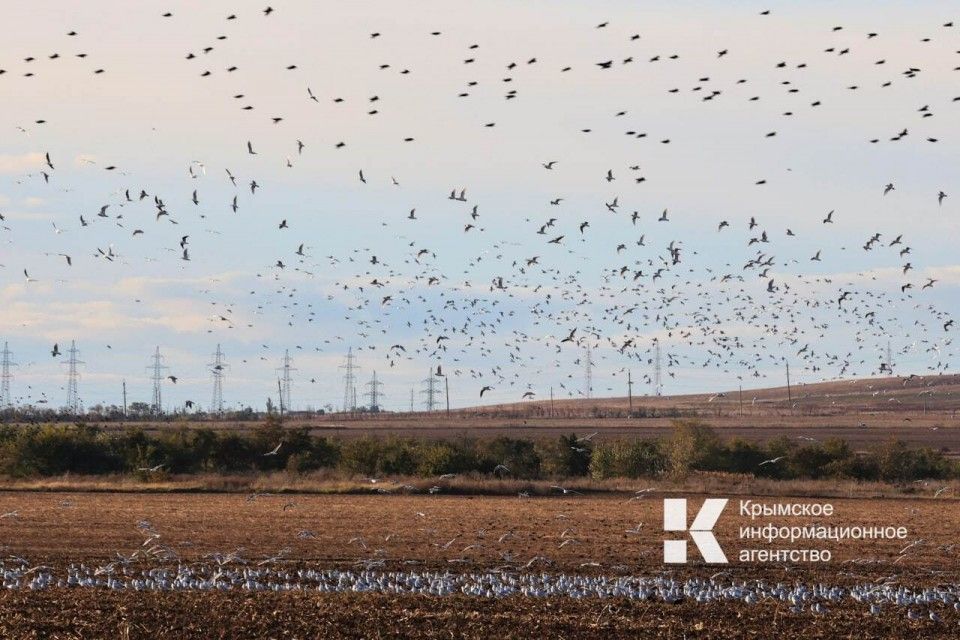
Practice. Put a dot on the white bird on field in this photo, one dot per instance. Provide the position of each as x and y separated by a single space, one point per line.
772 461
275 450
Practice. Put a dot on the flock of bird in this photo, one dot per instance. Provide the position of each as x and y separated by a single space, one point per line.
797 598
159 563
504 305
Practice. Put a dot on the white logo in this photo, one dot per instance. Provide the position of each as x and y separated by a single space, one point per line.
675 519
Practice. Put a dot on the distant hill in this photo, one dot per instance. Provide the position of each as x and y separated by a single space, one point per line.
878 395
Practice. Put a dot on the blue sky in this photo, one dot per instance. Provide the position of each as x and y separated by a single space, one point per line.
151 115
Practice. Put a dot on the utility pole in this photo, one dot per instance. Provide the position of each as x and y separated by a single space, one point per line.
5 377
124 397
588 373
411 400
629 394
552 414
889 359
657 370
280 391
374 394
217 369
286 367
446 393
741 400
789 393
73 395
349 382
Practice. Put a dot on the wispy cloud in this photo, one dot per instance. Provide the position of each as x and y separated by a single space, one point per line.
10 164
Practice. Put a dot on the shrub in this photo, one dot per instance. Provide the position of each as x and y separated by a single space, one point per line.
520 456
603 462
819 460
693 446
567 457
438 458
361 456
897 463
743 456
234 453
627 459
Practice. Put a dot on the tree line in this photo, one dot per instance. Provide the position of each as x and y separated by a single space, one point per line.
689 446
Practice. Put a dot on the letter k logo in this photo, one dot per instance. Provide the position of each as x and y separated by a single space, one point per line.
675 519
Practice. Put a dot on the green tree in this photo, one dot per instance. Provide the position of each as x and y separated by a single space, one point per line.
693 446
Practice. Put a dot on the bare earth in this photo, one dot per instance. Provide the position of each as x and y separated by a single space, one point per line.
413 532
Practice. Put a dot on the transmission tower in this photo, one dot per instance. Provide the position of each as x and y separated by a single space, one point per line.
156 370
286 367
374 394
6 399
588 373
889 359
73 396
431 391
217 368
657 370
411 401
349 382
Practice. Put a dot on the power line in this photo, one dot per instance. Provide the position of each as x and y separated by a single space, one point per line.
5 377
431 391
73 396
217 370
286 367
349 382
374 394
156 375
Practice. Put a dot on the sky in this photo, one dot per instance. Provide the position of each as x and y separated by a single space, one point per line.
152 121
